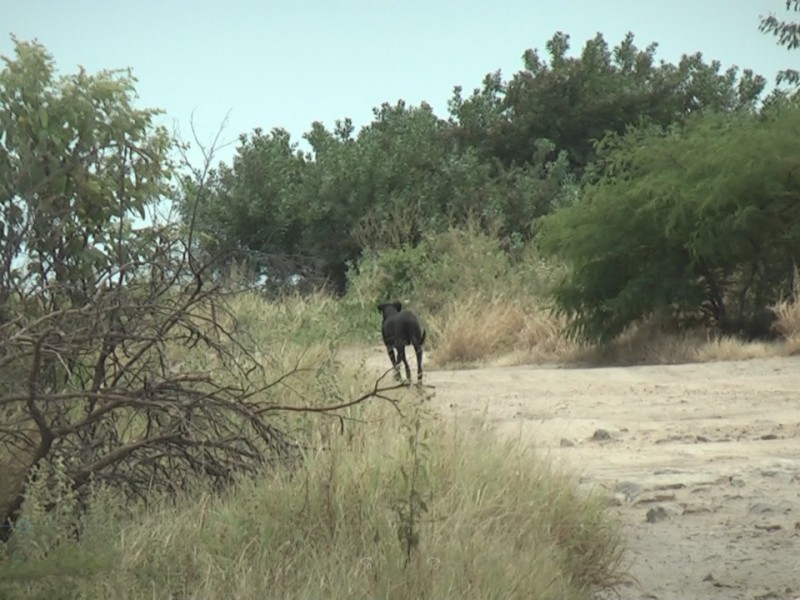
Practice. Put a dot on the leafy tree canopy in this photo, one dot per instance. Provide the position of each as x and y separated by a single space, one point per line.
508 154
701 221
573 101
77 162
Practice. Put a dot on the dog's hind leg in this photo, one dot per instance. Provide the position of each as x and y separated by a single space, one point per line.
401 355
418 351
395 361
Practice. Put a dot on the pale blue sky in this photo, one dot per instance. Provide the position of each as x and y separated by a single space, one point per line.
292 62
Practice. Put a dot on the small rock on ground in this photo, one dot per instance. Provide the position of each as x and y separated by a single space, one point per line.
656 514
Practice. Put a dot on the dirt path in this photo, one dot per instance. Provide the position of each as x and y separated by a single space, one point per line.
703 461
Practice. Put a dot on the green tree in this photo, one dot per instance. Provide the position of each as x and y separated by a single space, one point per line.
95 309
248 210
412 172
398 177
573 101
77 163
695 222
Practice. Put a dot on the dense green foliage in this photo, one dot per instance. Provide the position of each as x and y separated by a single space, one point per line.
694 221
303 214
508 154
572 101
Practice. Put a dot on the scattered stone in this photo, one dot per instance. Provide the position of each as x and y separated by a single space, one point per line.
652 498
769 436
797 525
667 440
600 434
668 471
565 443
670 486
656 514
709 577
701 439
719 584
629 489
770 472
736 481
772 527
617 500
696 509
761 508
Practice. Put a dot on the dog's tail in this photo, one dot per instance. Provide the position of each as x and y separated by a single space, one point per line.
422 339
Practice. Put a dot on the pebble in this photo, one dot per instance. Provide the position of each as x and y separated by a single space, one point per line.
656 514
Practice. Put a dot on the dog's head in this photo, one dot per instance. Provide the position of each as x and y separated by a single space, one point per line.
387 309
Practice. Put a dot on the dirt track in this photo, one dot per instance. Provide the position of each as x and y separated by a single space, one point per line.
711 450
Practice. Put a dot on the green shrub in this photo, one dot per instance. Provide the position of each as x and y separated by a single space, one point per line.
447 265
697 223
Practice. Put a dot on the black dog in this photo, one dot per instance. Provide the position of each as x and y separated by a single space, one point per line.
401 328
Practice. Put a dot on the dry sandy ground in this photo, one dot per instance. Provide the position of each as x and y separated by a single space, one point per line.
702 461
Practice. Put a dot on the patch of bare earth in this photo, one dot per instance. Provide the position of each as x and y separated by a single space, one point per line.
702 461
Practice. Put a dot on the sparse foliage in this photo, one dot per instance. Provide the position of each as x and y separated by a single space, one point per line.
788 35
77 161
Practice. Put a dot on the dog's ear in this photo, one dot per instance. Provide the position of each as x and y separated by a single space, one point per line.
380 307
398 306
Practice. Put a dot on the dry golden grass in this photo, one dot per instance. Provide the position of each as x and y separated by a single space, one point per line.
501 523
787 318
649 343
730 348
475 330
502 331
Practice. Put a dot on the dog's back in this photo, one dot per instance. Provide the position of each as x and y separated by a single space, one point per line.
400 326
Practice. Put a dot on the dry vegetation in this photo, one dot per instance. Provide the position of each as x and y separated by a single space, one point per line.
388 502
483 305
787 323
476 329
502 331
498 521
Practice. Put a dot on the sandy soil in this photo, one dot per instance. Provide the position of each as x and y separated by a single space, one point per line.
702 462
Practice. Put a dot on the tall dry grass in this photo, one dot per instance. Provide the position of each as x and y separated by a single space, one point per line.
497 520
477 329
787 317
500 523
480 330
651 343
